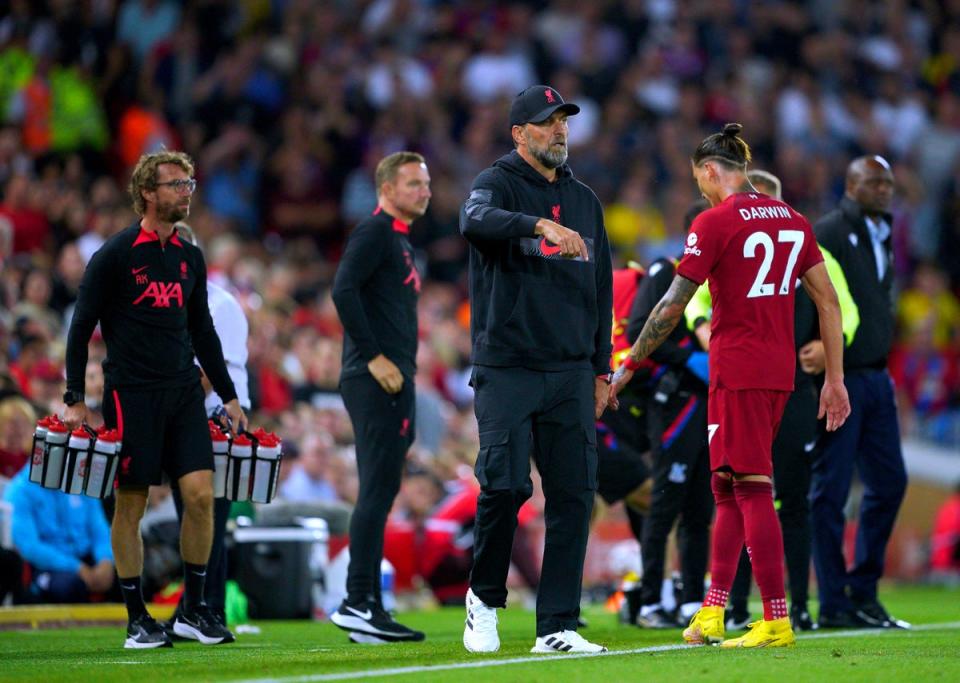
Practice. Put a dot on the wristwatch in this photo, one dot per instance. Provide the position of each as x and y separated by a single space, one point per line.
606 377
72 398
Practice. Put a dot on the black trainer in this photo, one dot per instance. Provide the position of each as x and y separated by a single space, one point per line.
658 618
174 636
801 620
842 619
370 618
736 620
873 613
630 607
168 625
144 633
201 624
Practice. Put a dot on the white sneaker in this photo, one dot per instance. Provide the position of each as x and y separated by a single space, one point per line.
566 641
687 610
480 632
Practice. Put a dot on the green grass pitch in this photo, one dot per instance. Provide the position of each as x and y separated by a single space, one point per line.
306 651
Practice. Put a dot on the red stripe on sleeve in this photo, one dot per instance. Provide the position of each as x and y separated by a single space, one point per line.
116 403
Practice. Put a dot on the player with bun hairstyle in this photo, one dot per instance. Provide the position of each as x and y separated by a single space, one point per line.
726 147
752 248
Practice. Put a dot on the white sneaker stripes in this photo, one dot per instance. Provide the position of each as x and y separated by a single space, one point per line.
566 641
480 631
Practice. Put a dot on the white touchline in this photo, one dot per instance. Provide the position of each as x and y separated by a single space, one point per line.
483 663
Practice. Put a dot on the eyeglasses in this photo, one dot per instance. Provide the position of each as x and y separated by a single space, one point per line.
182 186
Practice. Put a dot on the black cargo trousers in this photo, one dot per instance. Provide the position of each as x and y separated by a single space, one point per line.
551 415
677 426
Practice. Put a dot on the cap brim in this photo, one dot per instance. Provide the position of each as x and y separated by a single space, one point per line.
567 107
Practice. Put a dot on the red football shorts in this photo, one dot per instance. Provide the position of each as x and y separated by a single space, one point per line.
741 425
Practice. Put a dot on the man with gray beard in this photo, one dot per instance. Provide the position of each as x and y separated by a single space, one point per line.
541 298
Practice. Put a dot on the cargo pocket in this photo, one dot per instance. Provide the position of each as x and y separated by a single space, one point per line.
590 457
493 462
475 378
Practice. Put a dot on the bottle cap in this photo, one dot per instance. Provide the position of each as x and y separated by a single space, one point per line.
108 435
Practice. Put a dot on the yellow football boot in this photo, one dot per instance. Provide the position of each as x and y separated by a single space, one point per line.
773 633
706 627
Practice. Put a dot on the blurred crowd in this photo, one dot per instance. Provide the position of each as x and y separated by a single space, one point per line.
287 105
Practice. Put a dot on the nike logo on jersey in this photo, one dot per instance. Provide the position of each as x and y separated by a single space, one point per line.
139 270
365 615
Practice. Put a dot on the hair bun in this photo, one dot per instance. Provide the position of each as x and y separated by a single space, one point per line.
731 129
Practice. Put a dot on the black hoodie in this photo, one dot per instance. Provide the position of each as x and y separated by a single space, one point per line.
531 307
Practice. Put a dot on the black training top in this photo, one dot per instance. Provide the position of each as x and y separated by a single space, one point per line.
843 232
530 307
375 291
151 303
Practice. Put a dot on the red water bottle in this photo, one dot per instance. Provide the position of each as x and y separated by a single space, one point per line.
103 464
75 462
54 454
221 445
239 461
266 468
36 456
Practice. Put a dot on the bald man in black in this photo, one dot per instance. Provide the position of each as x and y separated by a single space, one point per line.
858 234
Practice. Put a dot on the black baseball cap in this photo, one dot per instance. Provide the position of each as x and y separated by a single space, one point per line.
537 103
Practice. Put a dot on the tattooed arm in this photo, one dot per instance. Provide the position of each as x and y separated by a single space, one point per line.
664 317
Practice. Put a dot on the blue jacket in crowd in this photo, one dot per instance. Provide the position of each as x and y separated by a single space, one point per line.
53 530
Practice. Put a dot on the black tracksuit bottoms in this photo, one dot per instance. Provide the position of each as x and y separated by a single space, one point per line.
383 427
551 415
681 486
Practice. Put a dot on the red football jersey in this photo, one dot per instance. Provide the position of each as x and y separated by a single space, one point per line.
753 249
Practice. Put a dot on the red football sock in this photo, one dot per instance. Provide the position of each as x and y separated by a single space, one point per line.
727 542
764 544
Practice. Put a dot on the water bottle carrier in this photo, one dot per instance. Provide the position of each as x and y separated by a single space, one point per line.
249 467
80 462
85 461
